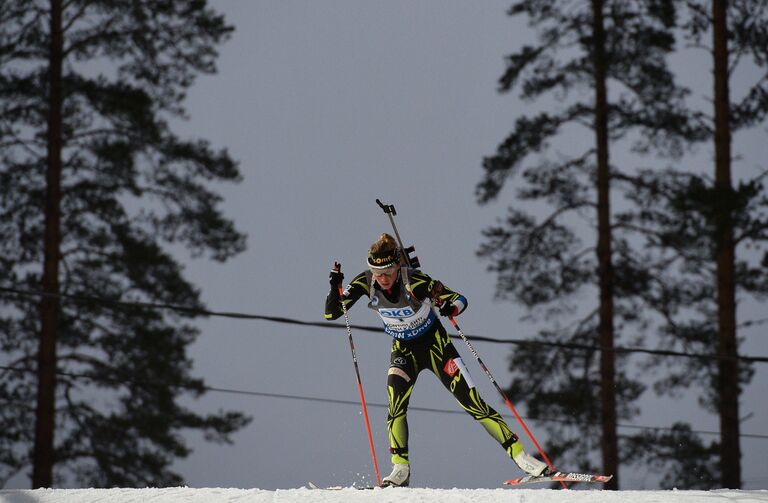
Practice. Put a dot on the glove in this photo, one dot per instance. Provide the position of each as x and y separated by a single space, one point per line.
448 309
337 278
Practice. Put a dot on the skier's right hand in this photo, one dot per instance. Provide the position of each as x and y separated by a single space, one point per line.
337 278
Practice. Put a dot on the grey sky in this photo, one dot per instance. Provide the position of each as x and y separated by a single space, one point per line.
327 106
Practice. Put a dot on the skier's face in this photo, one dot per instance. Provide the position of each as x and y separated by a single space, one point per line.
386 277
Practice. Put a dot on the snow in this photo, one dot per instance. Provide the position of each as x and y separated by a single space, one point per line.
391 495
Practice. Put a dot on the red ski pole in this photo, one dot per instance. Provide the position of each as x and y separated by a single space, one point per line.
360 387
504 396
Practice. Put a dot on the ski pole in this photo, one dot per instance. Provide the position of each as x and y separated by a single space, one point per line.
360 387
504 396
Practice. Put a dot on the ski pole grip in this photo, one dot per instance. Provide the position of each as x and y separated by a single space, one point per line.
388 208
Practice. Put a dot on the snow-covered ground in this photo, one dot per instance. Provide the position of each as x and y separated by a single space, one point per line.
188 495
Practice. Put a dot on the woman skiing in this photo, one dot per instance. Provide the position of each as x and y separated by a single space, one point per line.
404 299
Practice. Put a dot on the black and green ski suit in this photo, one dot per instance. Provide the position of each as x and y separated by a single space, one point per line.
420 342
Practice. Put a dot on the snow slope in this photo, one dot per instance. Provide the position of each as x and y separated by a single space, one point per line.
188 495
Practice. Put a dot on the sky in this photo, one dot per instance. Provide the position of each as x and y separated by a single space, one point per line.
392 495
328 106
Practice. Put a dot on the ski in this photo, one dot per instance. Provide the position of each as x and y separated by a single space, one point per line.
559 477
312 485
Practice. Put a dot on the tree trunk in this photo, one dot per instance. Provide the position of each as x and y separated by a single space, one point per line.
42 471
730 453
605 264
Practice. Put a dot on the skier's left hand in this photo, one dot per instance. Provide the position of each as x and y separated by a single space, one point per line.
448 309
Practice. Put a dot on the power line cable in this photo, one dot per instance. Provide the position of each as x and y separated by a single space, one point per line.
370 328
371 404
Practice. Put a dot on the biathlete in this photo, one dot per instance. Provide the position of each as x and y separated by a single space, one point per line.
420 342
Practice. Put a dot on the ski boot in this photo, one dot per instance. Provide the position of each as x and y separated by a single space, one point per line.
531 465
400 476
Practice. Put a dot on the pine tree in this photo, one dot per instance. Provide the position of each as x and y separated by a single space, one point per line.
708 231
543 263
605 274
94 190
678 212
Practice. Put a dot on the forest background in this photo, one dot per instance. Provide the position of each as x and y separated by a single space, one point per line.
320 127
